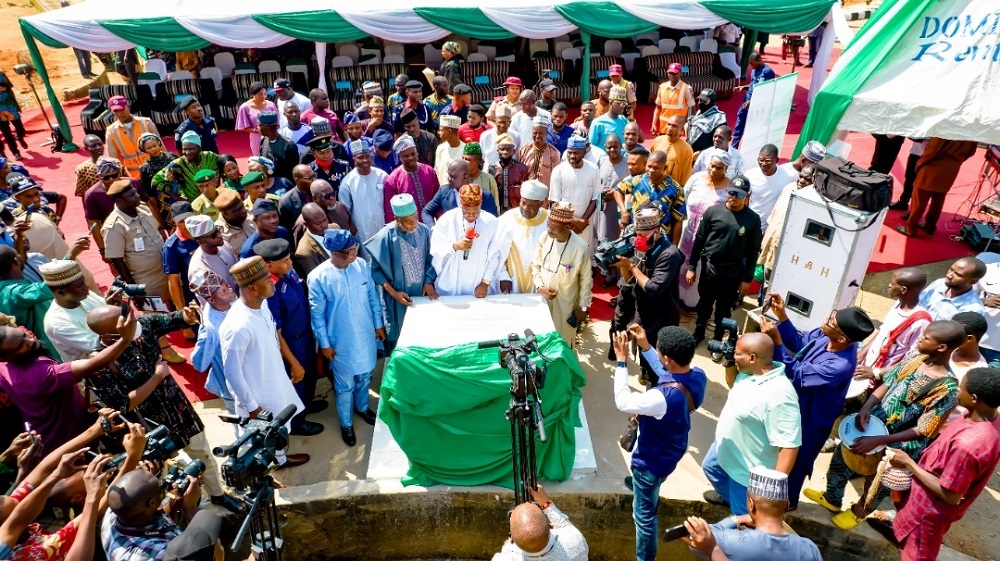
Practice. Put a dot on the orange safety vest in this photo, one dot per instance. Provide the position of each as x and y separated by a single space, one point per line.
127 145
672 101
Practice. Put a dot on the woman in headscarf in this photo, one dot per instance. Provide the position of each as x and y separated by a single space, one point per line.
451 68
246 117
276 186
703 190
152 145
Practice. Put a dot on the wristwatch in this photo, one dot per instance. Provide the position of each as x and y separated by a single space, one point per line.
486 282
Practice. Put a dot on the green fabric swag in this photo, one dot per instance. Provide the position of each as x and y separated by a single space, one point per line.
446 407
321 26
29 33
868 58
604 19
774 16
470 22
162 34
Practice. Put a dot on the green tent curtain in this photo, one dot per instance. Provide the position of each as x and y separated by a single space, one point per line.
469 22
833 100
446 407
774 16
323 26
162 34
39 64
605 19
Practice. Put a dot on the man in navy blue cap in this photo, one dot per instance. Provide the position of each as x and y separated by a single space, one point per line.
325 165
265 217
197 121
275 147
383 156
414 102
461 100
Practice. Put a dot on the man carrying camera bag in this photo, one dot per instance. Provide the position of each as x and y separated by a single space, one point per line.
664 417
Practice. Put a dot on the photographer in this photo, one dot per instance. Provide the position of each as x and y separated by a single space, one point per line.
539 530
759 535
649 284
821 365
664 418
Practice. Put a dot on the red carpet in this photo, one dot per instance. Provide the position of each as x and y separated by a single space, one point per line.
55 170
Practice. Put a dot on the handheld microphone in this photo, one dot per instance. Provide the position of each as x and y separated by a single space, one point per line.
470 234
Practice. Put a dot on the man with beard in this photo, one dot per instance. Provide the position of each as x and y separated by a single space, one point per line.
524 120
520 229
213 254
767 181
473 129
559 131
425 141
704 122
632 137
465 265
540 156
602 103
284 96
612 122
401 263
509 173
577 182
654 185
362 193
320 107
325 166
489 139
460 104
265 217
560 270
234 224
447 197
413 177
294 130
414 102
197 121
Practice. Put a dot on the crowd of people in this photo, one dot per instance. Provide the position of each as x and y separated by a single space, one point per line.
302 262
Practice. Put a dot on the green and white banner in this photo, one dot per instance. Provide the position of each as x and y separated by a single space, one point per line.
767 117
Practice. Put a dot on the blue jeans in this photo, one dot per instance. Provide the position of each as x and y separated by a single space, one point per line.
352 394
645 498
724 485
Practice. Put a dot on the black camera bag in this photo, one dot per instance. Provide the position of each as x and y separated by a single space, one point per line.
845 183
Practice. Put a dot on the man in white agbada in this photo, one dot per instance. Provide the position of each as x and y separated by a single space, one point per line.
251 358
450 148
362 191
561 272
464 265
579 182
518 233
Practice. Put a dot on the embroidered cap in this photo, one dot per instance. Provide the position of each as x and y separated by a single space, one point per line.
534 190
648 218
403 205
768 484
61 272
562 212
248 271
470 195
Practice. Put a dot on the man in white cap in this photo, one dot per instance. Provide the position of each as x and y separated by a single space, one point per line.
450 148
540 156
489 140
578 182
519 232
524 120
814 152
401 263
759 534
362 192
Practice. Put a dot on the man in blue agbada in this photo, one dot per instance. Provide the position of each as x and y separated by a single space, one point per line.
347 323
401 263
820 364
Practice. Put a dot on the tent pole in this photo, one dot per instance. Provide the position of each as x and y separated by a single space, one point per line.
585 66
57 109
749 41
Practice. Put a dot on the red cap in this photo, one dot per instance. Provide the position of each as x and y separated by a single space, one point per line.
513 81
615 70
117 103
675 68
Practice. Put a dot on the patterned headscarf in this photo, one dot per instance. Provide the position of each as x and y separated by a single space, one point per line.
452 47
266 162
143 138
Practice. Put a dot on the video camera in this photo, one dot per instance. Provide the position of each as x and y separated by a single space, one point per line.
727 345
254 454
608 251
130 290
179 476
526 376
159 447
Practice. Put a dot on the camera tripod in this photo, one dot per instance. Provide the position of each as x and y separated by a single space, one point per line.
525 418
261 521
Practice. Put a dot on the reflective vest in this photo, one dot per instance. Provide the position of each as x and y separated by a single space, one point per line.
127 145
672 101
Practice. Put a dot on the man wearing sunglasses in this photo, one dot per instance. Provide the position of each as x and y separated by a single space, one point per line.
726 248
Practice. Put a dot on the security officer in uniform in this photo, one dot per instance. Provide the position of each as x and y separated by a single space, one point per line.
290 309
325 165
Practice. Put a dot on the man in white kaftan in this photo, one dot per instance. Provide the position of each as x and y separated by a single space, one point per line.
466 266
362 191
518 234
578 182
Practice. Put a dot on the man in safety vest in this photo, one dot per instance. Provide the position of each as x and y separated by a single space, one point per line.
673 97
122 138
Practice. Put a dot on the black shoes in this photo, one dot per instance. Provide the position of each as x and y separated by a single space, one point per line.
699 335
369 416
715 498
900 205
316 406
347 433
307 428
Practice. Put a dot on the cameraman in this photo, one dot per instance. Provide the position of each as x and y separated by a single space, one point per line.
664 414
649 286
759 535
539 530
137 529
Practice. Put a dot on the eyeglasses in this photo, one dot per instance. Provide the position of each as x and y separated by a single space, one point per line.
831 325
738 194
349 252
330 195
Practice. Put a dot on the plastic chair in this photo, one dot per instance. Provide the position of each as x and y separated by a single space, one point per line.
349 50
709 46
629 59
728 60
156 65
538 45
432 56
613 47
395 59
486 50
477 57
562 46
180 75
341 61
215 75
225 62
572 54
650 50
690 42
506 58
269 66
150 79
666 46
395 49
245 68
297 65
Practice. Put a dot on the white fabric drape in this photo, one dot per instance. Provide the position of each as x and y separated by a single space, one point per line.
676 14
233 31
402 26
822 60
531 23
321 63
86 35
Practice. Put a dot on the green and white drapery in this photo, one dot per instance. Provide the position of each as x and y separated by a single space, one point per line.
183 25
918 68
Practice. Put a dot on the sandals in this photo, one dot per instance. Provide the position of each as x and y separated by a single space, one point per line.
906 231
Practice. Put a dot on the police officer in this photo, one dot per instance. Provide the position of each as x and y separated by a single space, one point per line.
290 309
325 165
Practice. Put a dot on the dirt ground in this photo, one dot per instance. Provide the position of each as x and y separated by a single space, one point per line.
60 63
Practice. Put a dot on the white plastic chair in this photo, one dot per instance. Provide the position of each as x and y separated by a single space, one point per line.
562 46
691 42
650 50
156 65
349 50
180 75
269 66
394 59
572 54
150 79
629 59
709 46
666 46
249 70
214 74
341 61
394 49
538 46
298 68
612 47
487 51
477 57
728 60
225 62
432 56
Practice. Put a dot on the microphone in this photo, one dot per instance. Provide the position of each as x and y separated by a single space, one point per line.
470 234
